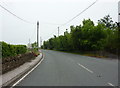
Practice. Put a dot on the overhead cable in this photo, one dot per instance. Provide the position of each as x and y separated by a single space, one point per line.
79 13
15 15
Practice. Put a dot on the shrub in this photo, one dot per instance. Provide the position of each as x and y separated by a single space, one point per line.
12 50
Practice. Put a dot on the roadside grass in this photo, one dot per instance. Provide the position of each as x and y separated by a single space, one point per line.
94 55
82 53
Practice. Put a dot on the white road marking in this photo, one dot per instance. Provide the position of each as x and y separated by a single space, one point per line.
92 72
110 84
85 68
26 74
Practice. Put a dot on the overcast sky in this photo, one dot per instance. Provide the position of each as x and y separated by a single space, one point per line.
50 14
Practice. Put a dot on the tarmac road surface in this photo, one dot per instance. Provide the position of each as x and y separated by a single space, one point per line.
66 69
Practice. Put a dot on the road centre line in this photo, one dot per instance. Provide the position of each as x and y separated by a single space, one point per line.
26 74
92 72
85 68
110 84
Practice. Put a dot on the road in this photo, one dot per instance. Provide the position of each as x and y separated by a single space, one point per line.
65 69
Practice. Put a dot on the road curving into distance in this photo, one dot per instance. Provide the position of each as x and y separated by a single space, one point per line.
66 69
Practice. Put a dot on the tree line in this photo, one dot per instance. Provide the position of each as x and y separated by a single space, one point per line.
88 37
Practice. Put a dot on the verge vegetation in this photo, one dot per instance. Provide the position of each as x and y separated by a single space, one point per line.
15 55
12 50
101 39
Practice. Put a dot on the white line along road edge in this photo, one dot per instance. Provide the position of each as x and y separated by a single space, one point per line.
27 73
85 68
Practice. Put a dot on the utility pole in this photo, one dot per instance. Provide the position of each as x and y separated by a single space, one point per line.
58 31
37 34
29 40
29 43
118 24
40 41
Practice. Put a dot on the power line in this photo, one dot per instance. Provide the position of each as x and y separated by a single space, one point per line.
49 23
79 13
15 15
4 3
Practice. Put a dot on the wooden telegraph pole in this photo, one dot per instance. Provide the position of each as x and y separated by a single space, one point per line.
37 34
58 31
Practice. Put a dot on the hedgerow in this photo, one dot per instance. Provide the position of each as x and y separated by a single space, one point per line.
12 50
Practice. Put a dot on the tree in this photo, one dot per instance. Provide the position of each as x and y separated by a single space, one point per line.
108 22
88 37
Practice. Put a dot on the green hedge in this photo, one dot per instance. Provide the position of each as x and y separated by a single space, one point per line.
12 50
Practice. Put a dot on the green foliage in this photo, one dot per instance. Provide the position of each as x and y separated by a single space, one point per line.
12 50
108 22
34 45
88 37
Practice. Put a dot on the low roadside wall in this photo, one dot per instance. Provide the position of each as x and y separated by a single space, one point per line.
11 63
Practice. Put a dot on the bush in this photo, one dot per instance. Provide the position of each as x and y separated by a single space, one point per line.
12 50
